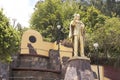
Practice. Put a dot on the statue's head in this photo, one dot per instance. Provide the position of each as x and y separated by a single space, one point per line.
76 16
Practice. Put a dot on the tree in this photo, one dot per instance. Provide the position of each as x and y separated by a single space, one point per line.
9 39
107 7
108 37
110 40
49 14
93 17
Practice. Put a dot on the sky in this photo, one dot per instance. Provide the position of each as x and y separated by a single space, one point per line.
19 10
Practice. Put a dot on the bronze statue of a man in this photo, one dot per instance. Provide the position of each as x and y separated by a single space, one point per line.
77 33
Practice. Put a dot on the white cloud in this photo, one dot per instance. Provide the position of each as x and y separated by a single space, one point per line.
18 9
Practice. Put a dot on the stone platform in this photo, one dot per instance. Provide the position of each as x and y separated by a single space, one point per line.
79 69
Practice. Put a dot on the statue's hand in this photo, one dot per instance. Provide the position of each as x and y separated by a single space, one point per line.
70 39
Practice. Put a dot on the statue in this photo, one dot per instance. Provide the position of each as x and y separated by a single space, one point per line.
77 33
78 68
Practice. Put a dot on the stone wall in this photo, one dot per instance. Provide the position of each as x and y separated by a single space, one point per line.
4 71
33 61
64 66
112 73
37 67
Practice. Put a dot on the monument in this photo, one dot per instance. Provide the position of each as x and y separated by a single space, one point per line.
79 65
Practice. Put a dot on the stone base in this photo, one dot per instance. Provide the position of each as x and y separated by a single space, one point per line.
79 68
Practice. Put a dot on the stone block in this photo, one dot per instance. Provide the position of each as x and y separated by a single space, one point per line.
54 60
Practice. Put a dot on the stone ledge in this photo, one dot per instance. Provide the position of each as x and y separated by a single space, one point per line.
33 55
77 58
35 69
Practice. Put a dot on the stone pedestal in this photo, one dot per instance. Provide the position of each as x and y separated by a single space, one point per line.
79 69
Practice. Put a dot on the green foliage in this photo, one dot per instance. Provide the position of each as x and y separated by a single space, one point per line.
9 39
109 36
93 17
49 14
107 7
45 18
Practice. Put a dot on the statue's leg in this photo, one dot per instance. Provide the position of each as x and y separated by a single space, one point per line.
81 46
75 46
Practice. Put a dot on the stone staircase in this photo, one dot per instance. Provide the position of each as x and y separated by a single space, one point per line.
36 67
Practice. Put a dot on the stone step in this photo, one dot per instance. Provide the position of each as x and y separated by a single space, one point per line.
35 74
33 78
36 69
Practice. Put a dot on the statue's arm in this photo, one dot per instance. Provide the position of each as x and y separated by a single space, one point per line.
71 29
